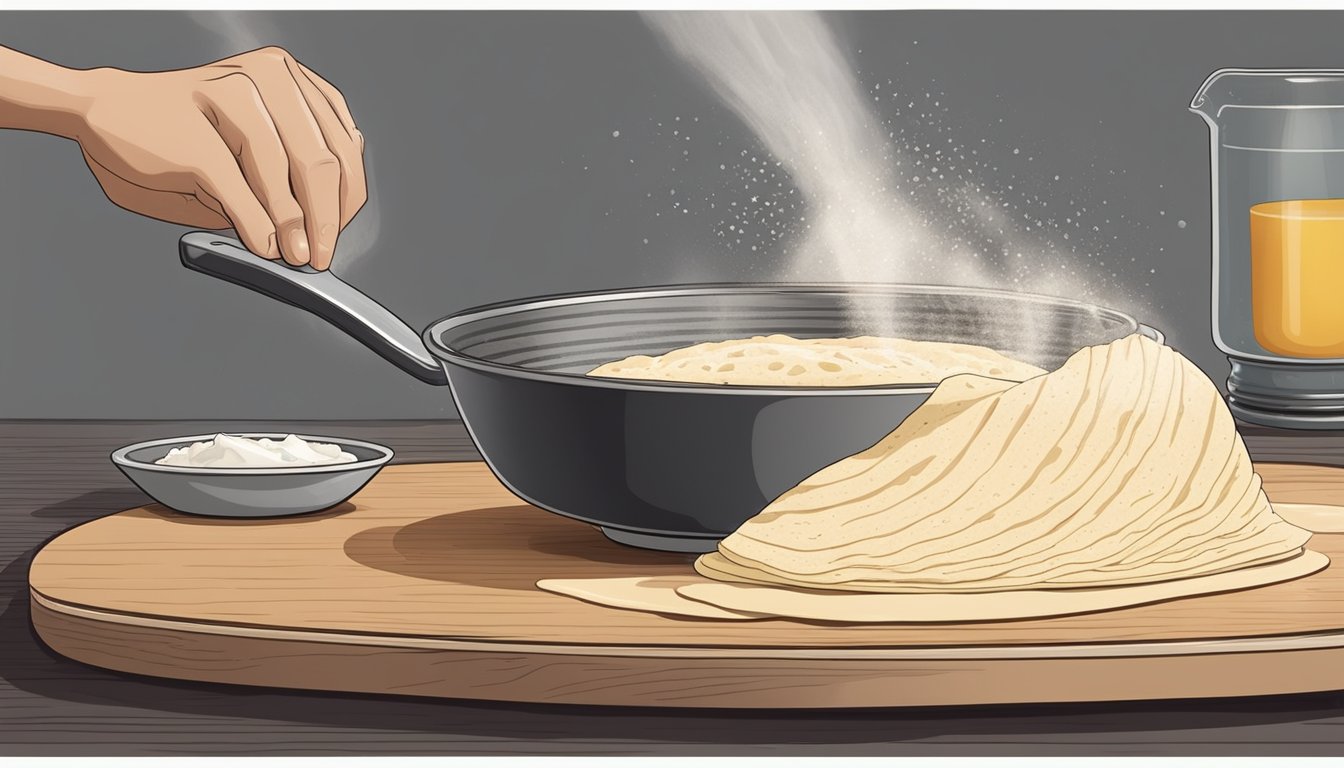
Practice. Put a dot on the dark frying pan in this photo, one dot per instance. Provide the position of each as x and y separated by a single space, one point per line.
664 465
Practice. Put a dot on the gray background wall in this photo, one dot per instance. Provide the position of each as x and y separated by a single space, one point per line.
495 175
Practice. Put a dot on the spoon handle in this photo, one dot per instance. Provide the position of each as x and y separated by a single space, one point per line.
322 293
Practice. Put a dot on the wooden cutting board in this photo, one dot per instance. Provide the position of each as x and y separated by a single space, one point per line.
423 584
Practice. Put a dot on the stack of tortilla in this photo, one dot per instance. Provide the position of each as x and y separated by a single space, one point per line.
1116 480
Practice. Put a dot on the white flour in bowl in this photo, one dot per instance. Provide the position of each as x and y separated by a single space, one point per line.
229 451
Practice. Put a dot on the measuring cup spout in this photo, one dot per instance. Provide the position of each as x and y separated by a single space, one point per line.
1211 96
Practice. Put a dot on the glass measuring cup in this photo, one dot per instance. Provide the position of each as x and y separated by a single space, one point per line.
1276 141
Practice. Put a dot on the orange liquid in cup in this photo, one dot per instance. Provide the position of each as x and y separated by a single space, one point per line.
1297 277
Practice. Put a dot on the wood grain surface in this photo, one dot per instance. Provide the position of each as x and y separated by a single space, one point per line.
55 475
424 583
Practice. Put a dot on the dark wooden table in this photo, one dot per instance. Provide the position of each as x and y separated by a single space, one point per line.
54 475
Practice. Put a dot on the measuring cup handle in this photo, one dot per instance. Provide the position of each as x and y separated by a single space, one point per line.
321 293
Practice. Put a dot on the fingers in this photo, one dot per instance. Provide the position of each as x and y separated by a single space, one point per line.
349 152
296 146
314 170
336 100
221 184
242 121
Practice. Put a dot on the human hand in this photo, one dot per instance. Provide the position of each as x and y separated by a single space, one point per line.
257 141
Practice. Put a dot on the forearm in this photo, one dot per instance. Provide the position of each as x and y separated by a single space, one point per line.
36 95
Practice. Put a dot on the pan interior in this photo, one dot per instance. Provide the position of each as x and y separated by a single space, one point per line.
576 334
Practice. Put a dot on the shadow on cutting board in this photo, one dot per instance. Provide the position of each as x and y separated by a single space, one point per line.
469 548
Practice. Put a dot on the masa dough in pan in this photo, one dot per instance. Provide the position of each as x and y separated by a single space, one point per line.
783 361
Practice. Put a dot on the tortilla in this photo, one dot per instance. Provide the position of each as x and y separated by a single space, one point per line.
1320 518
1122 467
994 606
784 361
702 598
653 595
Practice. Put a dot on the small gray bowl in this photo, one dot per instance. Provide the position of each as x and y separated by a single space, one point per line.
249 492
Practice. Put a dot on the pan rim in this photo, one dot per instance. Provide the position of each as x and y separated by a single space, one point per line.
451 356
